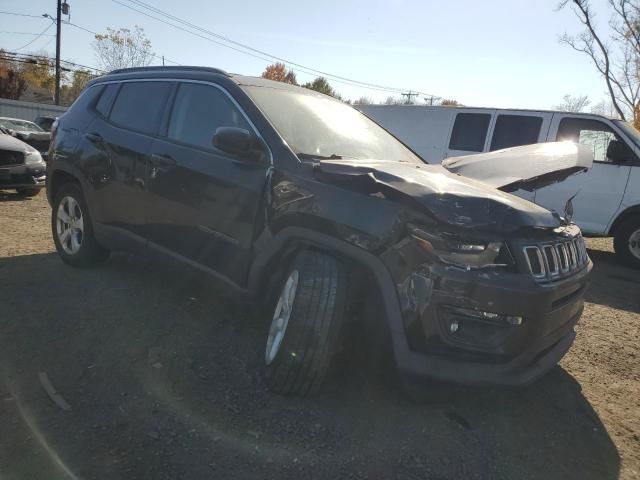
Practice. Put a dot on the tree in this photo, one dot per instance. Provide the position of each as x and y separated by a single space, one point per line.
616 58
447 102
12 81
363 101
122 48
279 73
390 100
40 71
71 90
320 84
571 103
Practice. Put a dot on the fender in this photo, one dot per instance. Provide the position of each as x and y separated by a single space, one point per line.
292 235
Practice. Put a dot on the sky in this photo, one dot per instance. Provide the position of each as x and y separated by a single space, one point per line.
492 53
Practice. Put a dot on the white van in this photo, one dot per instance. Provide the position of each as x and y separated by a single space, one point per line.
607 197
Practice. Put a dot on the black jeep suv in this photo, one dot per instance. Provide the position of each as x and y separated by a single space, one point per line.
299 201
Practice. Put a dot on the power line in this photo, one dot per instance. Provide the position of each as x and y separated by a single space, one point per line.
37 37
29 33
20 14
260 54
43 57
96 33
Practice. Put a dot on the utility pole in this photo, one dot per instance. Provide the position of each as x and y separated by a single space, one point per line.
409 95
58 30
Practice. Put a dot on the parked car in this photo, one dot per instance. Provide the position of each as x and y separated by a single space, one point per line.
28 132
21 167
607 198
45 122
300 203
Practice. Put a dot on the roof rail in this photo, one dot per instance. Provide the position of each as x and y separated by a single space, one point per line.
171 68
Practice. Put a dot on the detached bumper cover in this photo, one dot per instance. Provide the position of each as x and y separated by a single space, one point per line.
488 351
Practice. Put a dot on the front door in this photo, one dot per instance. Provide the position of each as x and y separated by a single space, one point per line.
599 191
203 202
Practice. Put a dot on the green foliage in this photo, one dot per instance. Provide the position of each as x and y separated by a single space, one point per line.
320 84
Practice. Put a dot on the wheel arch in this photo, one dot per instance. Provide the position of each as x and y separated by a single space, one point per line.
59 177
622 217
290 240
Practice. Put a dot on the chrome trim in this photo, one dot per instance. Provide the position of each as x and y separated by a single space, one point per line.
543 272
566 255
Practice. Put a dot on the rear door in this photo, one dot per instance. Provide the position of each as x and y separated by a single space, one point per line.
129 115
203 201
599 191
469 132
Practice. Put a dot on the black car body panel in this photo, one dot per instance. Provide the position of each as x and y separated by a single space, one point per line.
239 219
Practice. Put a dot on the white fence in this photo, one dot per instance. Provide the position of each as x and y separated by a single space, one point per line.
28 110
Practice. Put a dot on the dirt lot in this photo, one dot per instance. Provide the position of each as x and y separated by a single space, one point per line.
161 371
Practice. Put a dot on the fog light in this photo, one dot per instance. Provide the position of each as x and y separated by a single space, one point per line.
453 326
514 320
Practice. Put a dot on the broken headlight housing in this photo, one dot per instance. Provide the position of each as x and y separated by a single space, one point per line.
468 254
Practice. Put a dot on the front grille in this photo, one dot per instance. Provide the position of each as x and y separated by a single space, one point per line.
549 261
9 157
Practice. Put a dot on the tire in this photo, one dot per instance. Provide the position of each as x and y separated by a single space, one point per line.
626 242
298 363
82 250
28 192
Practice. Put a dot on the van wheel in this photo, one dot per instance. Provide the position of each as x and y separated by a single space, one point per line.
306 324
72 229
626 242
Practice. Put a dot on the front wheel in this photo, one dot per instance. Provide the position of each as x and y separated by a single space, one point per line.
626 242
72 229
306 324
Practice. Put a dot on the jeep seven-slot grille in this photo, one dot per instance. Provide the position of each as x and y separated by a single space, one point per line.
9 157
558 259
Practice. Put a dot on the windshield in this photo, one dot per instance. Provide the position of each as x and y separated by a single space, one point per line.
630 130
318 126
20 125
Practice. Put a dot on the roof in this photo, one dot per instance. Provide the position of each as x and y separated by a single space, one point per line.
534 110
185 70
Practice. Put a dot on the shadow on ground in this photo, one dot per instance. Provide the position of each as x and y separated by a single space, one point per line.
612 284
7 196
162 373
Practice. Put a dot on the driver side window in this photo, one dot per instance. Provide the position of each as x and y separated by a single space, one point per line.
594 133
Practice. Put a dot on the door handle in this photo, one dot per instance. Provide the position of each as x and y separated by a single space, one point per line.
162 161
94 137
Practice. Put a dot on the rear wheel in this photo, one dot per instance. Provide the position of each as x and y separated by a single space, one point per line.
72 229
28 192
306 325
627 242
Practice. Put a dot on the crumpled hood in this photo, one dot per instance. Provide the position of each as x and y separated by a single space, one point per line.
450 198
529 167
7 142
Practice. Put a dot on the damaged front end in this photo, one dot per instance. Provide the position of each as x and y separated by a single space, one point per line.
489 285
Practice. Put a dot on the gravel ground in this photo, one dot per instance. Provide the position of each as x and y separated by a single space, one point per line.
161 373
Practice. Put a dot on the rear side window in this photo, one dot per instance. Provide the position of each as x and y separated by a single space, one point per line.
515 130
198 111
139 105
589 132
469 132
106 99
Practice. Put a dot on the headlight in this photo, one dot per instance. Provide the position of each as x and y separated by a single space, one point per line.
462 253
32 156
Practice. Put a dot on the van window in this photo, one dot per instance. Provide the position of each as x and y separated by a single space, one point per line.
139 105
106 99
515 130
588 132
469 132
198 111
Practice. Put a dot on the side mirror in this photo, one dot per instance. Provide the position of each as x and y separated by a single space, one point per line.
239 142
618 152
